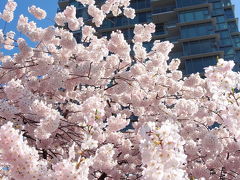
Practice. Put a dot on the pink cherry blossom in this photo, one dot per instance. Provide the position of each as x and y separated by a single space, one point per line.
97 14
8 12
76 105
37 12
129 12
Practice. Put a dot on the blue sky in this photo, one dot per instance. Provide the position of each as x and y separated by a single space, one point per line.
50 6
237 9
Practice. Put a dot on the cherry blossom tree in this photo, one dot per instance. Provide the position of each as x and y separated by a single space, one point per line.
102 109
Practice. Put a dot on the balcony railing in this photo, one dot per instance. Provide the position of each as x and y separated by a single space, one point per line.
174 39
198 50
176 54
163 10
171 24
159 33
190 35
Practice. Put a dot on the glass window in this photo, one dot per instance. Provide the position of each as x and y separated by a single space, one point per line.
140 4
118 21
229 13
225 42
149 17
224 34
198 47
227 50
189 67
133 4
236 40
218 12
238 55
131 34
183 3
232 26
196 30
142 17
125 33
229 57
107 23
77 36
221 26
218 8
198 64
189 17
82 13
220 19
217 5
148 45
148 4
159 29
199 14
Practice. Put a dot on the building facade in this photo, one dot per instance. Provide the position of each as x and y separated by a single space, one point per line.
201 30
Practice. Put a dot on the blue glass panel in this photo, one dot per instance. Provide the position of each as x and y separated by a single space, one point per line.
148 3
131 34
217 5
142 17
183 3
224 34
149 17
82 13
193 15
159 29
147 45
196 30
140 4
233 27
225 42
209 61
188 66
220 19
236 41
198 64
118 21
218 12
133 4
221 26
227 50
198 47
229 13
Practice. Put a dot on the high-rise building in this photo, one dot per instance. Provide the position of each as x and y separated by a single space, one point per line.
201 30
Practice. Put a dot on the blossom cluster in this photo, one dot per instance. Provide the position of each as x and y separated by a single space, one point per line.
69 16
37 12
108 108
8 12
167 154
